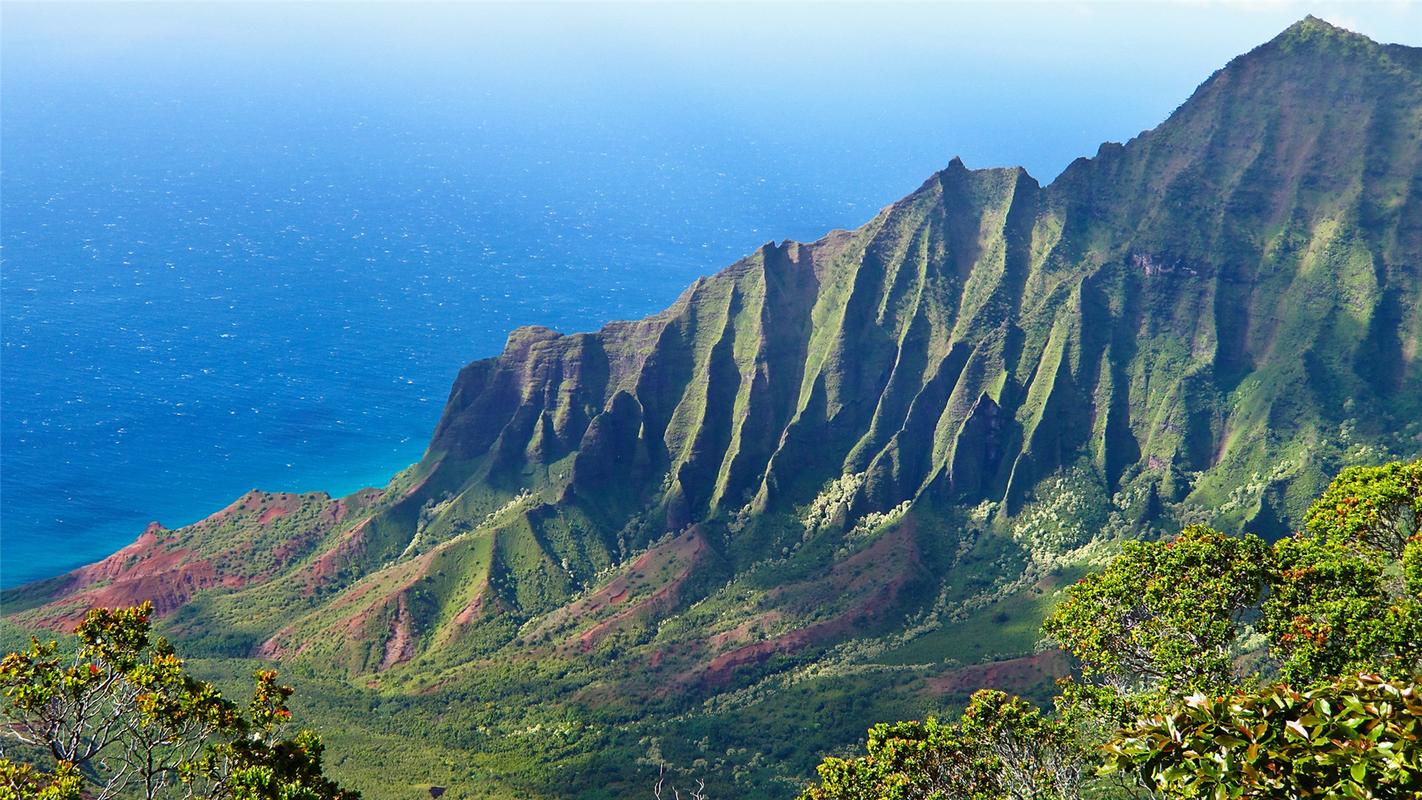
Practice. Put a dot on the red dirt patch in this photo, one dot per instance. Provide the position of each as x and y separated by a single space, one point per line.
1015 675
681 554
872 579
164 567
400 647
149 569
275 512
689 547
745 631
328 565
275 648
467 614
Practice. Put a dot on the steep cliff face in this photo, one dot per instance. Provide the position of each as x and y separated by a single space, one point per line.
1192 306
794 366
876 435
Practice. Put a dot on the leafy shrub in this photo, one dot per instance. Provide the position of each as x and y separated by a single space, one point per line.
1357 737
1342 616
1377 507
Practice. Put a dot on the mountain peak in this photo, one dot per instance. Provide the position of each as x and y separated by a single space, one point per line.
1313 25
1314 31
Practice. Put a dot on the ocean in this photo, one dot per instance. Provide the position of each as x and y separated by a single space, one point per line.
229 263
189 314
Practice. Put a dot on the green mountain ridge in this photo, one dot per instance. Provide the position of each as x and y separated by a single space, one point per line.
852 471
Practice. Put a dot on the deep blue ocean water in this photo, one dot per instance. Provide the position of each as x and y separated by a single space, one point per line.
241 251
195 307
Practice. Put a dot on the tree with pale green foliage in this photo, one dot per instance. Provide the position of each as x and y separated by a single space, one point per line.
1378 508
1002 747
123 713
1163 616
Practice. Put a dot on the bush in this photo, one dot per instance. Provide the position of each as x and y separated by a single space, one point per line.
1357 737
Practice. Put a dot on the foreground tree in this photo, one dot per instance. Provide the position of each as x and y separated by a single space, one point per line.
123 712
1378 508
1003 747
1334 609
24 782
1162 619
1346 595
1344 601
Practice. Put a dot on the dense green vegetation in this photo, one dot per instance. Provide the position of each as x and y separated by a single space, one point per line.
1174 699
1358 736
1160 620
844 481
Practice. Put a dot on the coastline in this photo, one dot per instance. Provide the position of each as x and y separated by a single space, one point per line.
93 543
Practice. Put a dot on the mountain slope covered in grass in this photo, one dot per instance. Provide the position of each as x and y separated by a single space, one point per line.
839 481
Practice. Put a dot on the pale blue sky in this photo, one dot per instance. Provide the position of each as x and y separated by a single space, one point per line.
999 83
